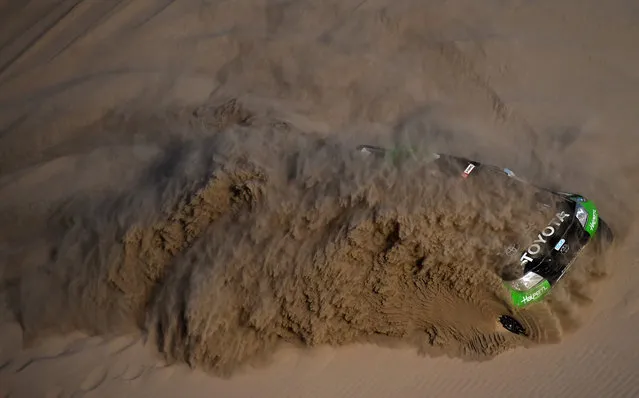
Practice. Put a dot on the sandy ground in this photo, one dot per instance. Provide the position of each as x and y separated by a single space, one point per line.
126 205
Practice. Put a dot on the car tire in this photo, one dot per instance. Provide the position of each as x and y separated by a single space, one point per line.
512 325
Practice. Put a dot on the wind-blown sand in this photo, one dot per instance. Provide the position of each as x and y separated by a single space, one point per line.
182 214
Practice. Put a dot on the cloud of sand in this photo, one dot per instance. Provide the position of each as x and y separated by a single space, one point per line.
255 234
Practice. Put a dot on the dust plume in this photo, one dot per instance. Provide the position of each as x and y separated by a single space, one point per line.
248 232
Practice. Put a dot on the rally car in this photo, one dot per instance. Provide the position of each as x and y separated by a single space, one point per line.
550 252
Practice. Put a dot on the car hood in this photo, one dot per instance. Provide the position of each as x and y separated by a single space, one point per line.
544 242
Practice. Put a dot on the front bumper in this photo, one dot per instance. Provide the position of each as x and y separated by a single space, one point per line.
584 226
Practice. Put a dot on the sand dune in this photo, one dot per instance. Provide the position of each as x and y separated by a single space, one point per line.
182 212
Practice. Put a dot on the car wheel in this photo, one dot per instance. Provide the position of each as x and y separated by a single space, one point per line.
512 325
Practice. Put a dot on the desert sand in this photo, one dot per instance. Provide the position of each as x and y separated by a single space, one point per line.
181 213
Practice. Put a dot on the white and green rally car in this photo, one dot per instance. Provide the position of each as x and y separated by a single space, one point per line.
551 252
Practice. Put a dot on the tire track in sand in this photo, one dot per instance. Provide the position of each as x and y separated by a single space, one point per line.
34 35
464 68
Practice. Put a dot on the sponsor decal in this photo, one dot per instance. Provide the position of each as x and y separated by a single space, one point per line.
560 244
468 170
534 295
542 238
537 293
593 217
521 299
